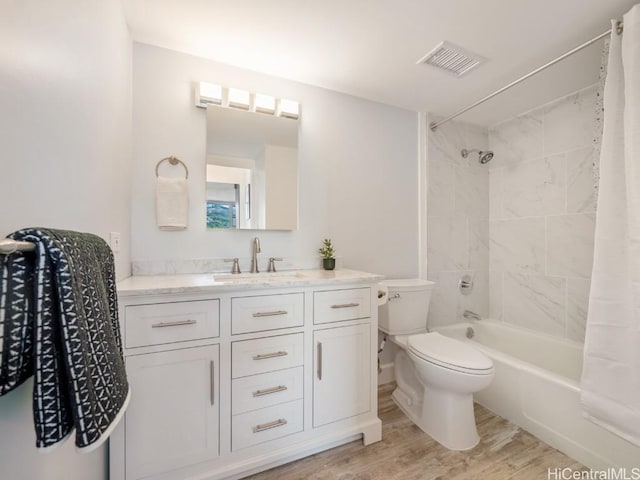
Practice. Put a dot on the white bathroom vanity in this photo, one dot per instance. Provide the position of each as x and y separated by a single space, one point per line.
235 374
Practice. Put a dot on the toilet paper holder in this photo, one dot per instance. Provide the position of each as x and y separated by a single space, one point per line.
383 294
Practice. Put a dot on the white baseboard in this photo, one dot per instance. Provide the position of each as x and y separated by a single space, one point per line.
388 373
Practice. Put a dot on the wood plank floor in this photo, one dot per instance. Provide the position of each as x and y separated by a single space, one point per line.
505 452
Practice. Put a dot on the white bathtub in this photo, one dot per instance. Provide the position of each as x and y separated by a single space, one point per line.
536 386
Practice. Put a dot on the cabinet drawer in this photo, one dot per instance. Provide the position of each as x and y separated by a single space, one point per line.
339 305
250 357
171 322
266 424
266 312
260 391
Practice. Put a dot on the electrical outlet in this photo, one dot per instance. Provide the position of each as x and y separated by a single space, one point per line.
114 241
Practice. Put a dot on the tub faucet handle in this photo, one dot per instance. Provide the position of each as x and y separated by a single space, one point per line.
466 285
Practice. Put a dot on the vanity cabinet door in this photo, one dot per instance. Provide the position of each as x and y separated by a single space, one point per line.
173 415
342 373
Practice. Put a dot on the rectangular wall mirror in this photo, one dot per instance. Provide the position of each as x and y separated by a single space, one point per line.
252 170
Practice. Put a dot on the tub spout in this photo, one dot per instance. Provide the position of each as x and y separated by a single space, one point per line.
470 314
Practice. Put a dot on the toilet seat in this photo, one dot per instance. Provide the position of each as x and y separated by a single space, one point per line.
449 353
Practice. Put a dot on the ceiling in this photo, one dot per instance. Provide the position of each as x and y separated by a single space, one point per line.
369 48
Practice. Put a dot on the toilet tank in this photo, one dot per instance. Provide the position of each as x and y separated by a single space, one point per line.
407 307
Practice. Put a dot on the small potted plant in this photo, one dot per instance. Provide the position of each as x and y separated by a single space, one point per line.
328 254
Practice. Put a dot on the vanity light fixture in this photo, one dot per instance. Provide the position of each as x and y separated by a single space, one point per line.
239 98
208 93
265 103
211 94
289 108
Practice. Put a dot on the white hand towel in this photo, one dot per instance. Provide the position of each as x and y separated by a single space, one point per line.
172 203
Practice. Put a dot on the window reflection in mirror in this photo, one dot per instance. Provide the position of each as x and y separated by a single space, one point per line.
252 172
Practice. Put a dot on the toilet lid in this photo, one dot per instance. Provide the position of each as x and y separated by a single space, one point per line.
449 353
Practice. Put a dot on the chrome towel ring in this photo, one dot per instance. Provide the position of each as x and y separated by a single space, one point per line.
173 161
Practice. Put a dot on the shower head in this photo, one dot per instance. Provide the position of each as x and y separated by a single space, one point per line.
483 156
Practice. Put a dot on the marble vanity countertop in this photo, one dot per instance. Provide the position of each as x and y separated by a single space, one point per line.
211 282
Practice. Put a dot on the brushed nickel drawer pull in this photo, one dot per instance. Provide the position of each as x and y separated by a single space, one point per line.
173 324
266 426
269 391
319 360
264 356
345 305
270 314
212 377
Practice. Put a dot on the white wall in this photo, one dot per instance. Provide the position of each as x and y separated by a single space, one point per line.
65 132
358 164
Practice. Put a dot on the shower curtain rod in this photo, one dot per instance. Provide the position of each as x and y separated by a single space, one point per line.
619 28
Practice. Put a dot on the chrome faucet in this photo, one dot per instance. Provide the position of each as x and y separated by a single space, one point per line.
470 314
254 259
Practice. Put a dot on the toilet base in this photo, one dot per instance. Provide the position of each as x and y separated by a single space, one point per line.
409 408
447 418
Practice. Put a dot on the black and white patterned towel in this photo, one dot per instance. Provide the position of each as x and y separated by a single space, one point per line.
59 322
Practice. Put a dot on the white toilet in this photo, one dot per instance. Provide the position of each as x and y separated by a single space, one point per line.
436 375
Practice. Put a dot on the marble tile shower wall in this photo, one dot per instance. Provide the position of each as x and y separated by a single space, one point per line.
457 221
542 216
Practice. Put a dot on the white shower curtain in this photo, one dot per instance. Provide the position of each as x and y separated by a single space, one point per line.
611 373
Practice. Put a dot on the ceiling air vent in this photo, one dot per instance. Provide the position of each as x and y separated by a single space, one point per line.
452 59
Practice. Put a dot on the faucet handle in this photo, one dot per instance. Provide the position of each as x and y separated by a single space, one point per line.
272 263
235 268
